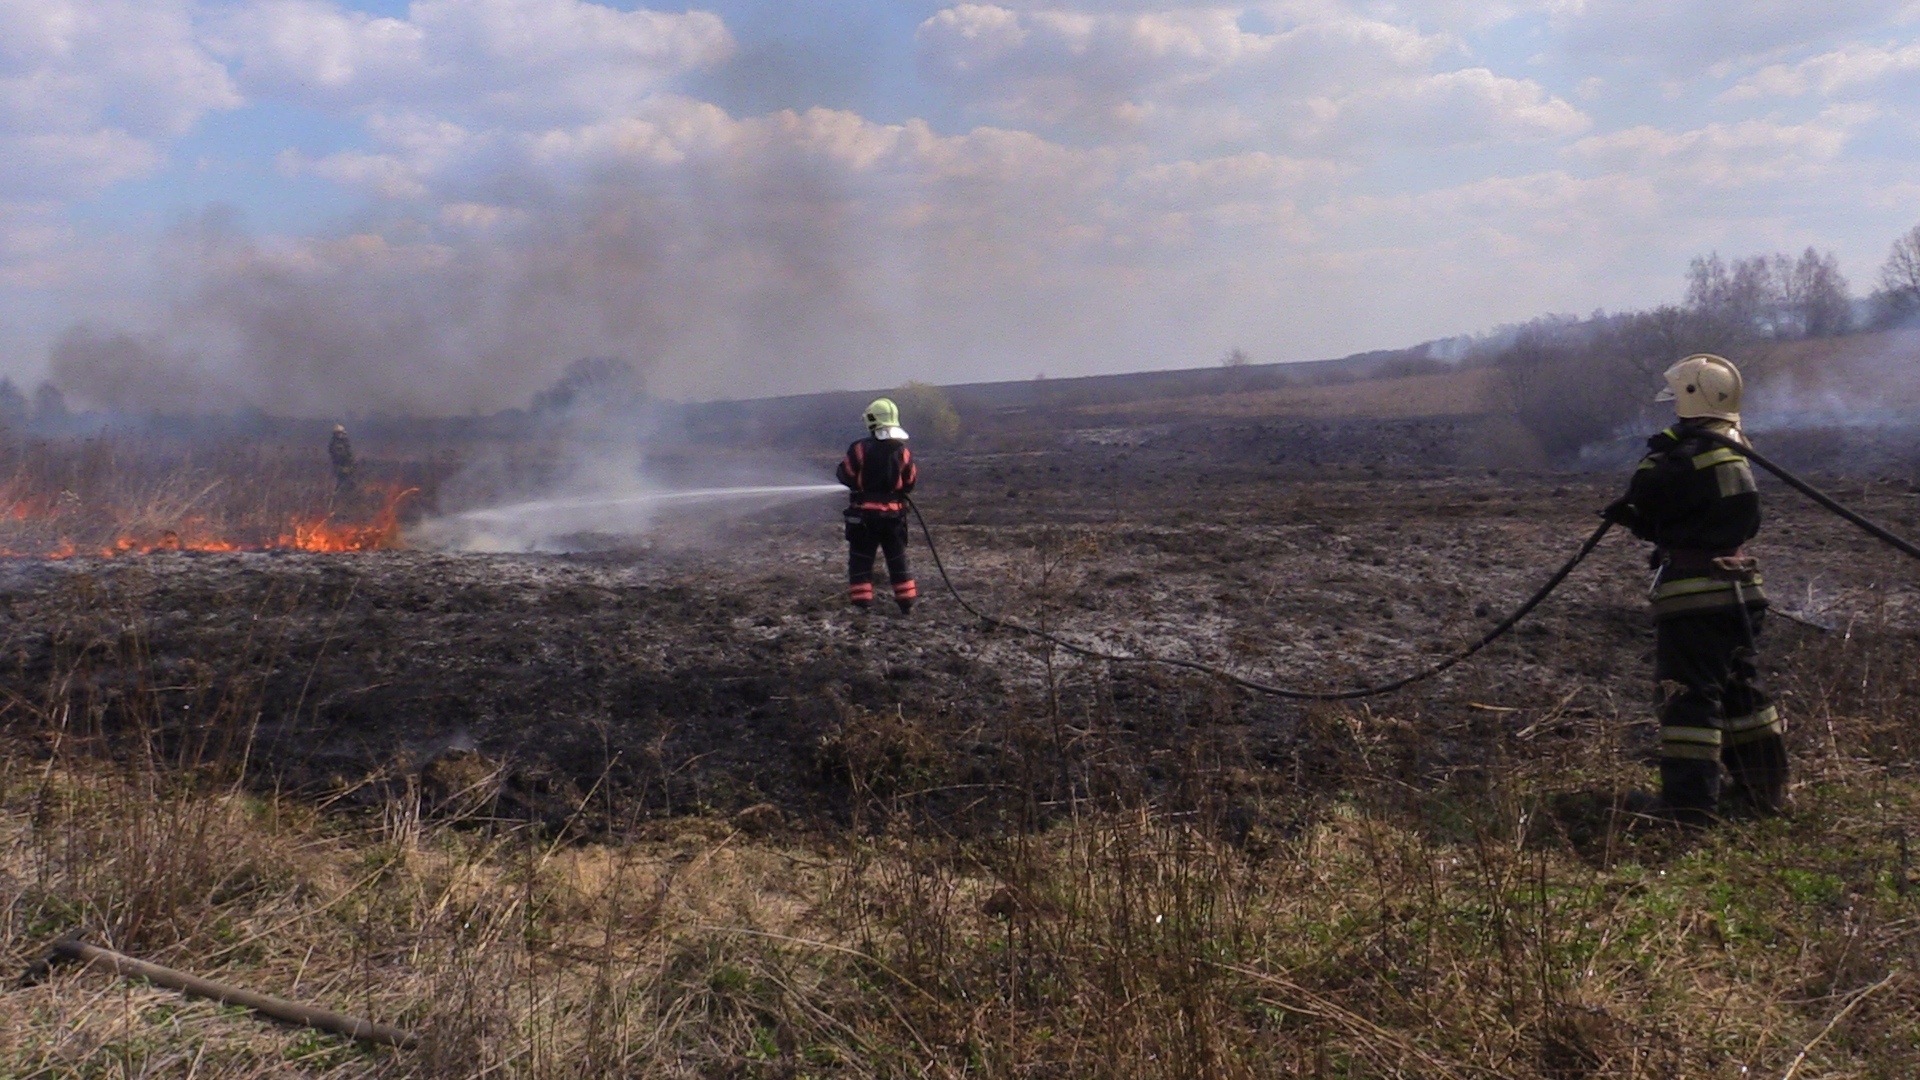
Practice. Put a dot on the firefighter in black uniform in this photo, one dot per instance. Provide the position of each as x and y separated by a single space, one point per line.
1695 500
880 473
340 455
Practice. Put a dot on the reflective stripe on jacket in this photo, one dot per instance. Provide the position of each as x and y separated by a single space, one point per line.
1697 501
877 472
1687 595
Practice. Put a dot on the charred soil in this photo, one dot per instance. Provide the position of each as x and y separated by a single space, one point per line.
675 810
718 668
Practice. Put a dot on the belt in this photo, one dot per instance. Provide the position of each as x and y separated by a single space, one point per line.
1718 565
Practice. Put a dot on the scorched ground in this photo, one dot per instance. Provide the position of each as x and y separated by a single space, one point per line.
714 666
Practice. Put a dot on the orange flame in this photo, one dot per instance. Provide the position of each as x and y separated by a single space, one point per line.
325 534
315 534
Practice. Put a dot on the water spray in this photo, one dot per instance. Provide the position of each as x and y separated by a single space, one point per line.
543 524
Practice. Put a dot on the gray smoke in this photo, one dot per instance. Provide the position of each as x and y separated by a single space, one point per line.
745 286
1863 382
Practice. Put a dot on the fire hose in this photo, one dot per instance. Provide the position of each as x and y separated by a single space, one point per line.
1815 494
1499 629
1292 693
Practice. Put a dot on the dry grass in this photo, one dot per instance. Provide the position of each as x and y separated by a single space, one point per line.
122 493
1485 924
1851 371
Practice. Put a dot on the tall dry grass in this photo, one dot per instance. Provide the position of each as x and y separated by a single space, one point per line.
61 497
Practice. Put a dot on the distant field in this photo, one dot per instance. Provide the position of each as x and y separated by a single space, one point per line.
1861 373
1873 372
1454 393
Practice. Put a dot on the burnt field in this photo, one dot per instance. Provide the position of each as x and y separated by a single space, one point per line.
671 808
713 665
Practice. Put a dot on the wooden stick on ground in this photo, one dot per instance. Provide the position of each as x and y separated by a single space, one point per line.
279 1008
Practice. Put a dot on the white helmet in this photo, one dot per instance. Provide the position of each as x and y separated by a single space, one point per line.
1703 387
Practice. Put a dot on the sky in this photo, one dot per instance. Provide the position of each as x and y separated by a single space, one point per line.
320 207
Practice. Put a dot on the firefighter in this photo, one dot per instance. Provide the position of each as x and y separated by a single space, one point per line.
1695 500
340 454
879 473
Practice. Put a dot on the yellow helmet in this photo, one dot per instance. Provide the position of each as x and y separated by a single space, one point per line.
883 419
1703 387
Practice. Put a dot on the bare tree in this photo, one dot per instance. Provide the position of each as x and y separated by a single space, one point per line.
1814 295
1768 296
1899 297
1739 297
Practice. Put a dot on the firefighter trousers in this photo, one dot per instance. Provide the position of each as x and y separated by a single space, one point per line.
1714 711
871 531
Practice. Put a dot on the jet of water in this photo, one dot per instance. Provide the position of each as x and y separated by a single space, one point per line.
554 524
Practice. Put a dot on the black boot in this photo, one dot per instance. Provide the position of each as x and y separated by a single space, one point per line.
1689 791
1759 772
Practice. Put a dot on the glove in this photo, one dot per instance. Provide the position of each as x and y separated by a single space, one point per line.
1620 511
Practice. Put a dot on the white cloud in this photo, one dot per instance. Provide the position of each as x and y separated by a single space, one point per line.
479 217
1453 108
60 165
1728 155
1856 67
91 91
1239 176
317 50
74 65
386 175
1458 14
1688 39
484 61
1055 66
1194 76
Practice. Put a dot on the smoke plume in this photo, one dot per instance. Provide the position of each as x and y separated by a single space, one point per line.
477 315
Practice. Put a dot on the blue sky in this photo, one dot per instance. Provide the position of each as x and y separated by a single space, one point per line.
315 206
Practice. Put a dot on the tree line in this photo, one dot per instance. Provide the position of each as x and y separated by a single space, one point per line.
1572 382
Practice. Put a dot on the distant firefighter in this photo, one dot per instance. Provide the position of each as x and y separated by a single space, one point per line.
340 454
880 473
1695 500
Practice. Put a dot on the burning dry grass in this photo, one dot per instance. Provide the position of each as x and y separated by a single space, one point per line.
1490 923
118 497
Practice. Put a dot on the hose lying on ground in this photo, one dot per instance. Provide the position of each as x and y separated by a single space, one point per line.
1291 693
73 949
1437 667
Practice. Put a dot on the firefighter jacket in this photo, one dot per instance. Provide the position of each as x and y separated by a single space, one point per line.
1696 501
878 472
